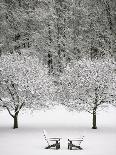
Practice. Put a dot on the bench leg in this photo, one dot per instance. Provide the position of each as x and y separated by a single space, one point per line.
57 145
70 145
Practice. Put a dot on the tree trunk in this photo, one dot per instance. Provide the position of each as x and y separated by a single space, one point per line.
15 122
94 119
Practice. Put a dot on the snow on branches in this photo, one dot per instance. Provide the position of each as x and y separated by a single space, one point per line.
87 84
24 83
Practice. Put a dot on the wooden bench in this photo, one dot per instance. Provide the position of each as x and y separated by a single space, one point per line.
77 145
56 145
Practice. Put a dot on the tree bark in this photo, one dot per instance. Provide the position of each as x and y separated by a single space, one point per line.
15 122
94 119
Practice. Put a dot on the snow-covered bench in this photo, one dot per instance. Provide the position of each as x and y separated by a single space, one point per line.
49 141
78 142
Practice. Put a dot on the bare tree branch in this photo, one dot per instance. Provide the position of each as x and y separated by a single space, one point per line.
9 111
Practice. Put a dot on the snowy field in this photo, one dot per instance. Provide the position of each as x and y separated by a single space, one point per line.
28 139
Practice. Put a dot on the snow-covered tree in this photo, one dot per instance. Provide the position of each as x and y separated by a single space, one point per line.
87 85
24 84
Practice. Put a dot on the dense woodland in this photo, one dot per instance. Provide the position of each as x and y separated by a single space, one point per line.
57 52
59 28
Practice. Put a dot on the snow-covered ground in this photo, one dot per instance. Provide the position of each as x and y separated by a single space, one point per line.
28 139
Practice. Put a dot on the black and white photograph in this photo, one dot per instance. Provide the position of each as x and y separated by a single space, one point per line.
57 77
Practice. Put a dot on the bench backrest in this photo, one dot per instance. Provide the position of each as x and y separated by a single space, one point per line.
81 140
46 137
